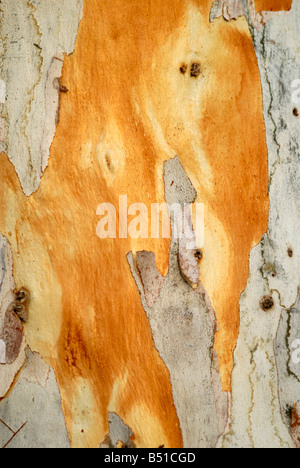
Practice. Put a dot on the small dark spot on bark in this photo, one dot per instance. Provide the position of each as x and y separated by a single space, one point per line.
21 305
267 303
172 183
290 252
63 89
198 254
108 161
20 296
37 46
21 312
195 70
289 411
59 86
283 124
183 69
296 112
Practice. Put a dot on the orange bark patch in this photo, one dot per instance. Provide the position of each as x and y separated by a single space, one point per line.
273 5
295 426
129 108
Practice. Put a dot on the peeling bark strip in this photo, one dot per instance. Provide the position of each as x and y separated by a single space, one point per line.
11 328
36 34
151 278
229 9
179 190
11 315
120 435
233 9
13 332
266 386
279 65
289 369
12 335
183 331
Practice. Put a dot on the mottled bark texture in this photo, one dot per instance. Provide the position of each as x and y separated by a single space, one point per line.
149 342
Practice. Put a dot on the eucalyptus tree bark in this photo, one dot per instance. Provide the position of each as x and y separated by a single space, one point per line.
113 334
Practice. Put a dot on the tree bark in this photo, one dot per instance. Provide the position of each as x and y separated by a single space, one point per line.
111 333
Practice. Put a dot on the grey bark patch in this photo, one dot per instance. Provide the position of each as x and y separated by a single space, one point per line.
151 278
5 434
280 65
180 195
183 334
120 435
187 248
178 187
36 370
264 392
42 30
289 369
41 412
118 430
